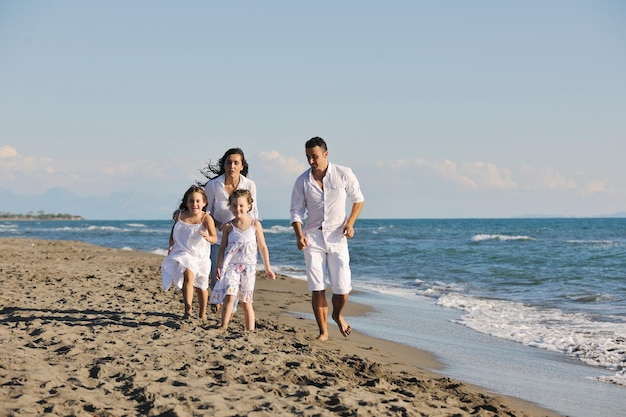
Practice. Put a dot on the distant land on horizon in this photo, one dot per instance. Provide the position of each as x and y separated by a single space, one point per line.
39 216
64 216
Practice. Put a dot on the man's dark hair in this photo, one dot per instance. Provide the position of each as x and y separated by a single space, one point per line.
316 141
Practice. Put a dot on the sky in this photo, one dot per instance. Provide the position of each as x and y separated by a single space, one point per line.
443 109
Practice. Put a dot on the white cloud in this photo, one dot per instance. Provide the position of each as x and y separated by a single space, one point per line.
7 152
449 171
596 186
33 174
487 176
15 168
544 178
474 175
273 161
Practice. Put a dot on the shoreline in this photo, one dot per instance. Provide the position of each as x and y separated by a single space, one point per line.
87 329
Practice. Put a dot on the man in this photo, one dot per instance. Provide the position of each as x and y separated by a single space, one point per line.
321 193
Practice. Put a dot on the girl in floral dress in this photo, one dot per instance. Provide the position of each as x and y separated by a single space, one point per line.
242 239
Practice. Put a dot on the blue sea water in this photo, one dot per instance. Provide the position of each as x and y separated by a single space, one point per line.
534 308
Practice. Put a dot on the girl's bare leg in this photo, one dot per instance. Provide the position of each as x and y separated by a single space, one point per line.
227 311
188 279
249 317
203 300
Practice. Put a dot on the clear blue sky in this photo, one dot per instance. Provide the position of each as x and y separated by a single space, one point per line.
442 108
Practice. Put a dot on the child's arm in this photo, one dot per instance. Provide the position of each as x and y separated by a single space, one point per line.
209 224
263 250
169 250
226 228
171 241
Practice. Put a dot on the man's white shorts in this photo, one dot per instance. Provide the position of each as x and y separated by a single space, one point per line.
327 263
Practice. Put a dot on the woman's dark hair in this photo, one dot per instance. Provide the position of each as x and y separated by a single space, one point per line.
215 170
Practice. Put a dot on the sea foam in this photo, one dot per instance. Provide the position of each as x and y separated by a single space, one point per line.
578 335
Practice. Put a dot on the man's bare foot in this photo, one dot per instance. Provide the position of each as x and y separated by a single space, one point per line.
344 327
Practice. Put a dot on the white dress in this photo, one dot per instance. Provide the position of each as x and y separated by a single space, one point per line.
239 270
190 251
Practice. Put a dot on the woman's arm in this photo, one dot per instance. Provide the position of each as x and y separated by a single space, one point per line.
220 254
254 213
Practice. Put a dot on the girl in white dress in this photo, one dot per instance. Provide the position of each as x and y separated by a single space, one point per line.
242 238
188 263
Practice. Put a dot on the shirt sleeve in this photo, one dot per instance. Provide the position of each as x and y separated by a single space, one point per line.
297 208
254 213
209 190
353 188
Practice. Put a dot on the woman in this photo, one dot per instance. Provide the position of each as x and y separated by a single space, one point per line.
228 175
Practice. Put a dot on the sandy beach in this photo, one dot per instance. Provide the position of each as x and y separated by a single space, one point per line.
88 331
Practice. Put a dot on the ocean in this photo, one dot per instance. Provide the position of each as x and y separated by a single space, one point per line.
533 308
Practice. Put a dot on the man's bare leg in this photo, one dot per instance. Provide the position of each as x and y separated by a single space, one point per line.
320 309
339 302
